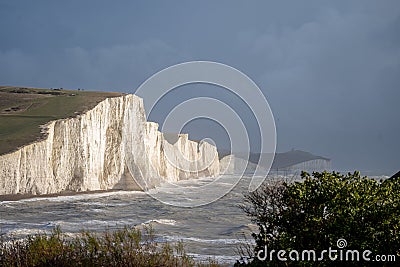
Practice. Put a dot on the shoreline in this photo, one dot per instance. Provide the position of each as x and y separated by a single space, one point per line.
17 197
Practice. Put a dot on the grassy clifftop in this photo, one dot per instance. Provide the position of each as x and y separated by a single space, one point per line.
23 110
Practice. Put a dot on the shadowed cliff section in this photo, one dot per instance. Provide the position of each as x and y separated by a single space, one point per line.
23 110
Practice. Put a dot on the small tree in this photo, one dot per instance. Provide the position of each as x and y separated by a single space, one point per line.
323 208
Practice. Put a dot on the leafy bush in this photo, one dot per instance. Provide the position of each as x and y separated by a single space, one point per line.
127 247
320 210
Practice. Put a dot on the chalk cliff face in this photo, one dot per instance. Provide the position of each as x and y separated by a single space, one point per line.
111 146
231 164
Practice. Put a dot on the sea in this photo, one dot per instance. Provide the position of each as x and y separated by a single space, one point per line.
212 231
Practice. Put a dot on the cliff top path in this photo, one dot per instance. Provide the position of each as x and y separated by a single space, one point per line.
23 110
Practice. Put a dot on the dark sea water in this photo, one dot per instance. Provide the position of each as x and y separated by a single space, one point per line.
210 231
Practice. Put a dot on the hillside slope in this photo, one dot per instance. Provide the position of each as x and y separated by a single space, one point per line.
23 110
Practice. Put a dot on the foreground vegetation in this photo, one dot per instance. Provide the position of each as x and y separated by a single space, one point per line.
24 110
314 214
126 247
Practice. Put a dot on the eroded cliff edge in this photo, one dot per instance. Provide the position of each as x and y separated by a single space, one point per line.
111 146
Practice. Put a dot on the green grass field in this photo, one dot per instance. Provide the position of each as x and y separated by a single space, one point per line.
24 110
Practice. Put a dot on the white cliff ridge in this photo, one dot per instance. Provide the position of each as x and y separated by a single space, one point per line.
111 146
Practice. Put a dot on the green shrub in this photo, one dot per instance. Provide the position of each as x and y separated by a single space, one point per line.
127 247
321 209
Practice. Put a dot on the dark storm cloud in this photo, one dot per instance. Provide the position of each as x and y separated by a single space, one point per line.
330 69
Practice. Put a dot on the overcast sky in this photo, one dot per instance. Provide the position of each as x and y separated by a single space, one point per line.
329 69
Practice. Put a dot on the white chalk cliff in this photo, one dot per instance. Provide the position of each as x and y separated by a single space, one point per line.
111 146
232 164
